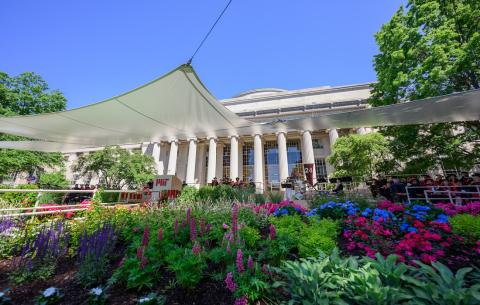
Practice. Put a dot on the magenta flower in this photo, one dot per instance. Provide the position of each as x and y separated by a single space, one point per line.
160 234
235 220
264 269
273 232
241 301
175 227
196 248
146 236
240 266
202 227
193 229
225 226
143 263
250 263
139 253
230 282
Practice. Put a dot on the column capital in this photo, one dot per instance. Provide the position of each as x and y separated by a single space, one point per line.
279 132
194 139
305 130
173 140
212 138
332 129
257 134
234 136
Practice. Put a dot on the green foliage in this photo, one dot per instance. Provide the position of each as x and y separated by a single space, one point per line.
250 235
430 48
27 199
317 237
359 155
188 268
116 167
466 225
55 180
26 94
189 194
47 298
336 280
259 199
275 197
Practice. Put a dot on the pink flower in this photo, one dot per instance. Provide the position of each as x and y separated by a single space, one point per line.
273 232
139 253
143 262
264 269
241 301
175 227
193 229
230 282
146 236
240 266
196 248
160 234
225 226
250 263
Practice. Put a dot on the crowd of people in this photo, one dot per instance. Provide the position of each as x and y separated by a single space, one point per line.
79 197
458 189
234 183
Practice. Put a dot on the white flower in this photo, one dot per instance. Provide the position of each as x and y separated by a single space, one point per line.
1 294
96 291
49 292
145 299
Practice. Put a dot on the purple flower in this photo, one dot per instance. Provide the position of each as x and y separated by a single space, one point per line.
240 266
265 269
175 227
196 248
146 236
230 282
241 301
193 229
273 232
250 263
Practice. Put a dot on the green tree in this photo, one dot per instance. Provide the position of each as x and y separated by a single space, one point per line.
360 155
430 48
26 94
116 167
55 180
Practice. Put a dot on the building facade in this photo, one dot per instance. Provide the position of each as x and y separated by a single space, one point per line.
266 159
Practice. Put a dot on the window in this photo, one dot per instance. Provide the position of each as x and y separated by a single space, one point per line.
226 161
320 168
317 144
294 157
271 169
247 162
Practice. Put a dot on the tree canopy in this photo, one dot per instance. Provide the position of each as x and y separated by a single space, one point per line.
25 94
360 155
430 48
116 167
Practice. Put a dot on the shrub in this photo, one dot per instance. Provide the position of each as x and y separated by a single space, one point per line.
317 237
467 226
26 199
189 194
54 180
275 197
250 235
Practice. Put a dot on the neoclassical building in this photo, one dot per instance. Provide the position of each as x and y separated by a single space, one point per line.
261 135
265 159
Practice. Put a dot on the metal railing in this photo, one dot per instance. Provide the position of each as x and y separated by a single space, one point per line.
54 209
433 194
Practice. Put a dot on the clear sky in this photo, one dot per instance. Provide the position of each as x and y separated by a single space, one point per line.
92 50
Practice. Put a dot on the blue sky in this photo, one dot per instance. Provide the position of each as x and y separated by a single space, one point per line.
92 50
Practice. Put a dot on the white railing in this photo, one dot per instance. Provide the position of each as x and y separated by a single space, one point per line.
453 196
54 209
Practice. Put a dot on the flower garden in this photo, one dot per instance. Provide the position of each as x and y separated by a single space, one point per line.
226 251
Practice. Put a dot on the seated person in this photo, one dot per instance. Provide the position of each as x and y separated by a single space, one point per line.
338 187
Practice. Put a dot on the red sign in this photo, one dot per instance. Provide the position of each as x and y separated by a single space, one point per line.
308 170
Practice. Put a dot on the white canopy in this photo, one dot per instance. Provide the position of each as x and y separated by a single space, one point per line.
178 105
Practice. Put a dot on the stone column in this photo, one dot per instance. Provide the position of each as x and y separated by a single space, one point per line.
212 158
172 160
258 163
156 156
144 147
282 156
308 156
233 157
333 136
192 157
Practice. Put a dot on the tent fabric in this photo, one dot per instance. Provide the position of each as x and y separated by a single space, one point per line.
174 105
178 105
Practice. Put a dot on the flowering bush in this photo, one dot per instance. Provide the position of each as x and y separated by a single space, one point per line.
451 209
278 209
412 232
334 210
50 296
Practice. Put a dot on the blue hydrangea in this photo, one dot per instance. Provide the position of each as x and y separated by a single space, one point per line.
441 218
418 207
412 230
366 212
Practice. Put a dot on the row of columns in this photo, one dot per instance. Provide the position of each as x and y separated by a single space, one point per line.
258 168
